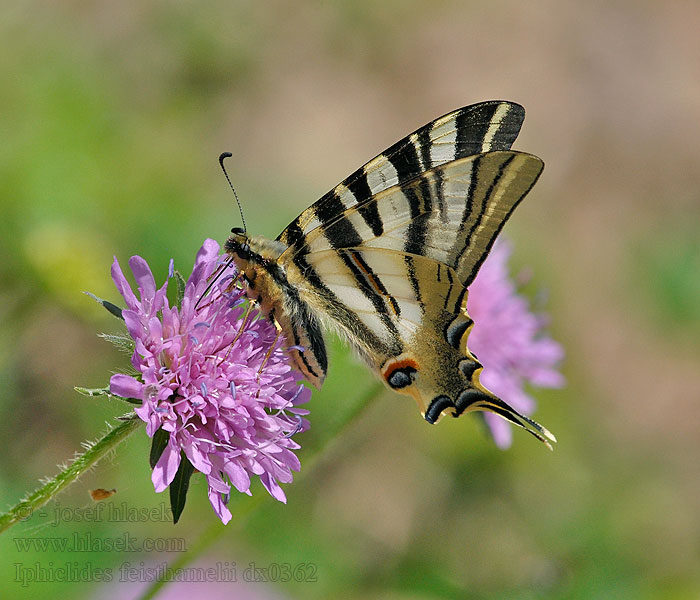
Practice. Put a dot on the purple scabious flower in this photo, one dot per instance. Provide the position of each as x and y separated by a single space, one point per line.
215 378
509 341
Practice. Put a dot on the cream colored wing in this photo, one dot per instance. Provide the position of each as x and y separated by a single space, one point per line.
406 315
451 214
386 256
474 129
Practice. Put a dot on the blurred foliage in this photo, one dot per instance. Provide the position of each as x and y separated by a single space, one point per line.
668 266
112 117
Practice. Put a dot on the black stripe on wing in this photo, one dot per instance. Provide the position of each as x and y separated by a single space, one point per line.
341 314
344 233
477 128
451 213
420 202
471 211
404 159
528 168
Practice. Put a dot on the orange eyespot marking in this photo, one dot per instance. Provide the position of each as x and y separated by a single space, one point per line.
401 373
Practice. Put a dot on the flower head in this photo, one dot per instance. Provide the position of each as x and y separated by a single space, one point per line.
215 377
509 341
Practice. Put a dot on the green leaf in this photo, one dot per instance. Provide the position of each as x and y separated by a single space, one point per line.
113 308
122 342
160 441
181 284
93 392
179 486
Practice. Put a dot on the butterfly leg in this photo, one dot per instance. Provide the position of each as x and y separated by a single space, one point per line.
241 329
272 347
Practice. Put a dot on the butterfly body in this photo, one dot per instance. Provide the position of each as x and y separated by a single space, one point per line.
386 258
283 301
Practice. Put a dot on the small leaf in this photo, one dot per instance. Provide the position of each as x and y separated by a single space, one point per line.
160 441
122 342
113 308
93 392
127 417
179 486
179 279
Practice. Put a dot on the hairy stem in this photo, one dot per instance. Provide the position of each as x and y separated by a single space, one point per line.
81 463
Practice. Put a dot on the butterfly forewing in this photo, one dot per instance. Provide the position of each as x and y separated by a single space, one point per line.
470 130
450 214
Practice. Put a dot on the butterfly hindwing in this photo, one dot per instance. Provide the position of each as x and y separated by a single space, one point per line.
406 315
399 294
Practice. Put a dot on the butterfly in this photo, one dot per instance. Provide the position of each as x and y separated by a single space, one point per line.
387 256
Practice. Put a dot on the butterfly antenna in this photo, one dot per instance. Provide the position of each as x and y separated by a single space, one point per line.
222 156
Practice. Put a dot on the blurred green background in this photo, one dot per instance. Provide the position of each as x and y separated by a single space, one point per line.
112 116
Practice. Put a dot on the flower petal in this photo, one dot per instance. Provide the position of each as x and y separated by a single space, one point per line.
198 459
133 323
238 476
208 253
145 281
272 486
217 503
126 386
123 286
205 262
167 465
500 430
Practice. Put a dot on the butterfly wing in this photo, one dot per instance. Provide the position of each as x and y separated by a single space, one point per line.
477 128
398 289
451 213
406 315
387 255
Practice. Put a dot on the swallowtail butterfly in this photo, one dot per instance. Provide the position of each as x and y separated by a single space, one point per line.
386 258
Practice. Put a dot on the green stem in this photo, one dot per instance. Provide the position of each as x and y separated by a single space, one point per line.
215 530
24 508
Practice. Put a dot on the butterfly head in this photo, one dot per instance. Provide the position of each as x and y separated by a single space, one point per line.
252 251
237 241
237 245
256 259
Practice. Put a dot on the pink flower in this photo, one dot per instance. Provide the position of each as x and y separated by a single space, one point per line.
509 341
217 382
